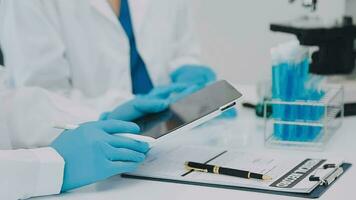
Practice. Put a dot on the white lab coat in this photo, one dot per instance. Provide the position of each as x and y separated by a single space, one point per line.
68 61
65 44
25 173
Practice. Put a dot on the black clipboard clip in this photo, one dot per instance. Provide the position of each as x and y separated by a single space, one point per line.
330 178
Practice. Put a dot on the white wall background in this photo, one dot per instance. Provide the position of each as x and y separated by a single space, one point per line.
235 34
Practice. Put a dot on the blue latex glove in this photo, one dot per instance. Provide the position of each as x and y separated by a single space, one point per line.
156 101
92 154
193 75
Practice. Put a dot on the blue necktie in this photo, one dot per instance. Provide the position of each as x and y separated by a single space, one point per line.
141 82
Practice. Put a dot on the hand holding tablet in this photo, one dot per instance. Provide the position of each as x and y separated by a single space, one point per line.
189 112
185 114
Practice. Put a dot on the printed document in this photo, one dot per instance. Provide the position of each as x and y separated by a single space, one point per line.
289 174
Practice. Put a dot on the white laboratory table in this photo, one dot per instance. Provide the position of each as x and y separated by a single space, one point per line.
245 133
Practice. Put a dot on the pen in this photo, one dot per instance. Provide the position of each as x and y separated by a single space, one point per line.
150 140
200 167
66 126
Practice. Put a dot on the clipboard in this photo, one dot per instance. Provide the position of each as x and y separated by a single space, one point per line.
314 194
297 177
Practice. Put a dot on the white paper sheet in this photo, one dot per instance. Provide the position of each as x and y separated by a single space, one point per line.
289 174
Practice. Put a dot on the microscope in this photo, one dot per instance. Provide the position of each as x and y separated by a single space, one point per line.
335 56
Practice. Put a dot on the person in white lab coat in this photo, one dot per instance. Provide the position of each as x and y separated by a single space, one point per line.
70 61
79 50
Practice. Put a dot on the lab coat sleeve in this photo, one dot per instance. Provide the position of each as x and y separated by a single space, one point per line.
26 173
29 114
186 44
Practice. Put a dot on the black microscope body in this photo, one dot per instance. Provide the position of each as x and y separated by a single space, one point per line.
336 54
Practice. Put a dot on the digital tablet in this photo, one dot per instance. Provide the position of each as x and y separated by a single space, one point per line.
190 111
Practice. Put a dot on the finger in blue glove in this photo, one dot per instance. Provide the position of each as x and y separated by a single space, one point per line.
165 92
91 153
194 75
138 107
156 101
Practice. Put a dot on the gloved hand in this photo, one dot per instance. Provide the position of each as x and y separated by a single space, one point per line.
92 154
193 75
156 101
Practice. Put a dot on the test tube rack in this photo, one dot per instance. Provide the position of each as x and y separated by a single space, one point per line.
313 126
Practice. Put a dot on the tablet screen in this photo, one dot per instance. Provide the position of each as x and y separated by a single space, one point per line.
187 110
